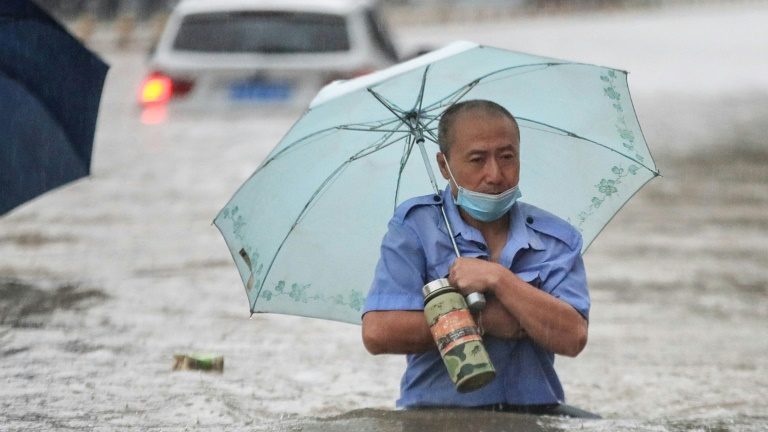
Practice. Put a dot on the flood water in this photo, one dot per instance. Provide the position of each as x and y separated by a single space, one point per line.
104 280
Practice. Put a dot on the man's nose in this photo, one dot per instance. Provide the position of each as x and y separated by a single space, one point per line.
493 172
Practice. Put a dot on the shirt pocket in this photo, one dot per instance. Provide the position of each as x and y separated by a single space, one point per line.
441 268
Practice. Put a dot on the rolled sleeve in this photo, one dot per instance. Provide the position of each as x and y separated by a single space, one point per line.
567 279
400 272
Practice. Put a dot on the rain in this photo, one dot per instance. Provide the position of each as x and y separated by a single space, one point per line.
104 280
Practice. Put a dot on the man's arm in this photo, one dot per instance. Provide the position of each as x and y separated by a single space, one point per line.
407 332
496 321
392 320
550 322
396 332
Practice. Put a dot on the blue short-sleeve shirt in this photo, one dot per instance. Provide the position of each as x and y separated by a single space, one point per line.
541 249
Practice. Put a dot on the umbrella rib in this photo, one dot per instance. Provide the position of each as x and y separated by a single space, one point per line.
455 96
432 135
467 87
556 129
295 143
404 117
380 144
420 99
400 114
541 65
375 147
403 160
376 124
369 130
429 117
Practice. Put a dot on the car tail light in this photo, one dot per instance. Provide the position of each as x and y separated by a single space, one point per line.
156 88
159 88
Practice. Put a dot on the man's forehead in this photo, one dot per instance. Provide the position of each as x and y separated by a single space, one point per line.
477 128
508 146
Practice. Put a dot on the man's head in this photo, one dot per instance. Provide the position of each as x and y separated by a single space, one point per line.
481 141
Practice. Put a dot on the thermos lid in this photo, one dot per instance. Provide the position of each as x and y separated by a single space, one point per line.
435 286
476 301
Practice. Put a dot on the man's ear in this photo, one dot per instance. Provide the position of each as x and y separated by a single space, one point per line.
441 163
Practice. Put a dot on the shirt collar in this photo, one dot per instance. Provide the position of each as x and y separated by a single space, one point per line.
519 235
458 225
520 232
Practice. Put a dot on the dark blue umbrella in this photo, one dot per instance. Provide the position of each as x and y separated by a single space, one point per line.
50 88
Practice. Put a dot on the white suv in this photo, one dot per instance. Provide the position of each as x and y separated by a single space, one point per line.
263 52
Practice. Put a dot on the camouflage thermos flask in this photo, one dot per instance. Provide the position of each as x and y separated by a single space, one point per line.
457 336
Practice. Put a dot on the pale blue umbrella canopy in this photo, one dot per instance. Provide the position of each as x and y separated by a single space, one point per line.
305 228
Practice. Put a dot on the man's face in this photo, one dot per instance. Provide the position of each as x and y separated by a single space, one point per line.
484 153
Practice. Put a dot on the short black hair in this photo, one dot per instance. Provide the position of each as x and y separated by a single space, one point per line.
450 115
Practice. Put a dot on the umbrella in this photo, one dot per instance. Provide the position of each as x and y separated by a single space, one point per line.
305 228
50 87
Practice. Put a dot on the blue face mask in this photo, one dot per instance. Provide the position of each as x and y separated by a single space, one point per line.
485 207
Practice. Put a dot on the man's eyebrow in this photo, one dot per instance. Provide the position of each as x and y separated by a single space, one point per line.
509 147
478 152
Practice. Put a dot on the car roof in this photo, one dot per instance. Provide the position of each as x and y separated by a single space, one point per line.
330 6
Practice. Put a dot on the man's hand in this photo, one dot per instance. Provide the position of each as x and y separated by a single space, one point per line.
470 275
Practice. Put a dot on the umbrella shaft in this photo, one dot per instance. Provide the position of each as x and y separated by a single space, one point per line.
450 231
420 142
428 166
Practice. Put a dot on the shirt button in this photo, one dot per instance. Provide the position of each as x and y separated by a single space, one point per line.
529 219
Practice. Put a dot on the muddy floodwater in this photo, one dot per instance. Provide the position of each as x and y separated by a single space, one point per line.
104 280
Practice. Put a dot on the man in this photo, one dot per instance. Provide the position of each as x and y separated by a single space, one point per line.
526 261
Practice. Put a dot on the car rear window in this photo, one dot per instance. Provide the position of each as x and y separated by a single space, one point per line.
263 32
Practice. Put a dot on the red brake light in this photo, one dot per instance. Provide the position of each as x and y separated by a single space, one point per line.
156 88
159 88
